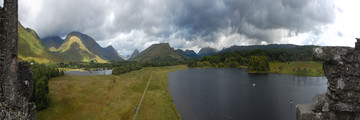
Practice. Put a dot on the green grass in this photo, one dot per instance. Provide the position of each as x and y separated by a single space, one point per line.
312 68
111 97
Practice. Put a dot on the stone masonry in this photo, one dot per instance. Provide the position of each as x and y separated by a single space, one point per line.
342 98
16 84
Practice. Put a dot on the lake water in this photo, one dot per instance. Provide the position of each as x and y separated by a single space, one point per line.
100 72
228 94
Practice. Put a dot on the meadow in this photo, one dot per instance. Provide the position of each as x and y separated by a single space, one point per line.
303 68
112 96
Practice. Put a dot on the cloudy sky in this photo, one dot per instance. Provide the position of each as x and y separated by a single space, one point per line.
193 24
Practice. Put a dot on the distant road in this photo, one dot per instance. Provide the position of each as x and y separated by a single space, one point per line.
138 107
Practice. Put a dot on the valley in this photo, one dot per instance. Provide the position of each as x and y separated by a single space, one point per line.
116 94
111 96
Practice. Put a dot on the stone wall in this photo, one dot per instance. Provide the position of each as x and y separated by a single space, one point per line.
342 98
16 84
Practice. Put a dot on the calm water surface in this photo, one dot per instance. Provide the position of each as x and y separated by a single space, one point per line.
100 72
228 94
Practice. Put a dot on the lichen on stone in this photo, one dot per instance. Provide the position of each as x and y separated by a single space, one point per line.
342 98
16 83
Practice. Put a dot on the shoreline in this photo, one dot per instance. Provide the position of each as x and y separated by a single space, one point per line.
297 68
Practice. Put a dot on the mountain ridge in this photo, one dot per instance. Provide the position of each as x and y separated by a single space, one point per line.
161 52
207 51
89 49
191 54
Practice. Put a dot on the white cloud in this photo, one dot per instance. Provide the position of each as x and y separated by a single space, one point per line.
347 23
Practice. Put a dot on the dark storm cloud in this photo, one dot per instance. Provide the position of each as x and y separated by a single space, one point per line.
253 17
185 20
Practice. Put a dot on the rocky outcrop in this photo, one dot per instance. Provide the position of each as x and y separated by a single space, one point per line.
16 84
342 98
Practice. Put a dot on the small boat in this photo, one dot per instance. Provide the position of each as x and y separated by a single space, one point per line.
253 84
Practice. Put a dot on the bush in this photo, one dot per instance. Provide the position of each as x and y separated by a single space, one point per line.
41 93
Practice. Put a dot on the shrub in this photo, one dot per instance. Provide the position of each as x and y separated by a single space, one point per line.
41 93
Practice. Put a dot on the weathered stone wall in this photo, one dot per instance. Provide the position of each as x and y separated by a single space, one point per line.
342 98
16 84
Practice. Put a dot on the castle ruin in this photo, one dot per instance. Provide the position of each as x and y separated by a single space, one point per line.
16 84
342 98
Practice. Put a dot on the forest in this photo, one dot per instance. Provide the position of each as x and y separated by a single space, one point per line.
246 58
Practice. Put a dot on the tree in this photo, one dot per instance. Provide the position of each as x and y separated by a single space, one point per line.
259 63
41 93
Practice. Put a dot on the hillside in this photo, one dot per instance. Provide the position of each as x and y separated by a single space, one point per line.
207 51
159 53
53 42
79 47
133 54
191 54
182 54
30 47
111 54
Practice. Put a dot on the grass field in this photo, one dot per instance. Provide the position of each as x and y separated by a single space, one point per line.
305 68
111 97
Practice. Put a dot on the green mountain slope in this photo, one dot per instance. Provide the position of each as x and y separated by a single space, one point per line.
30 46
77 47
88 50
74 50
159 53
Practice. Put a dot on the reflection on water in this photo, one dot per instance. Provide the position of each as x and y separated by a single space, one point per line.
100 72
217 94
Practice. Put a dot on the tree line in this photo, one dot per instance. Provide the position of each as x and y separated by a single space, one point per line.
255 59
42 73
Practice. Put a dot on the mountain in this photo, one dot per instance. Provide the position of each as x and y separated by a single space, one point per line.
133 54
191 54
160 53
253 47
182 54
30 47
111 54
207 51
79 47
53 42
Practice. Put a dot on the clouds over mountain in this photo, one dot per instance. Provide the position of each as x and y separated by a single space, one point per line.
191 24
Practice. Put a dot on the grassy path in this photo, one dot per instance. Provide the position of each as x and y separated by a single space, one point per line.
142 97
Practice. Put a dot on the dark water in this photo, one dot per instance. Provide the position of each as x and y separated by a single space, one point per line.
100 72
228 94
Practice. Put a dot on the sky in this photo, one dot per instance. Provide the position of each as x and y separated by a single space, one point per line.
194 24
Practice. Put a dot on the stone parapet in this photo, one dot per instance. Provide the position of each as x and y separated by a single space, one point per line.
342 99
